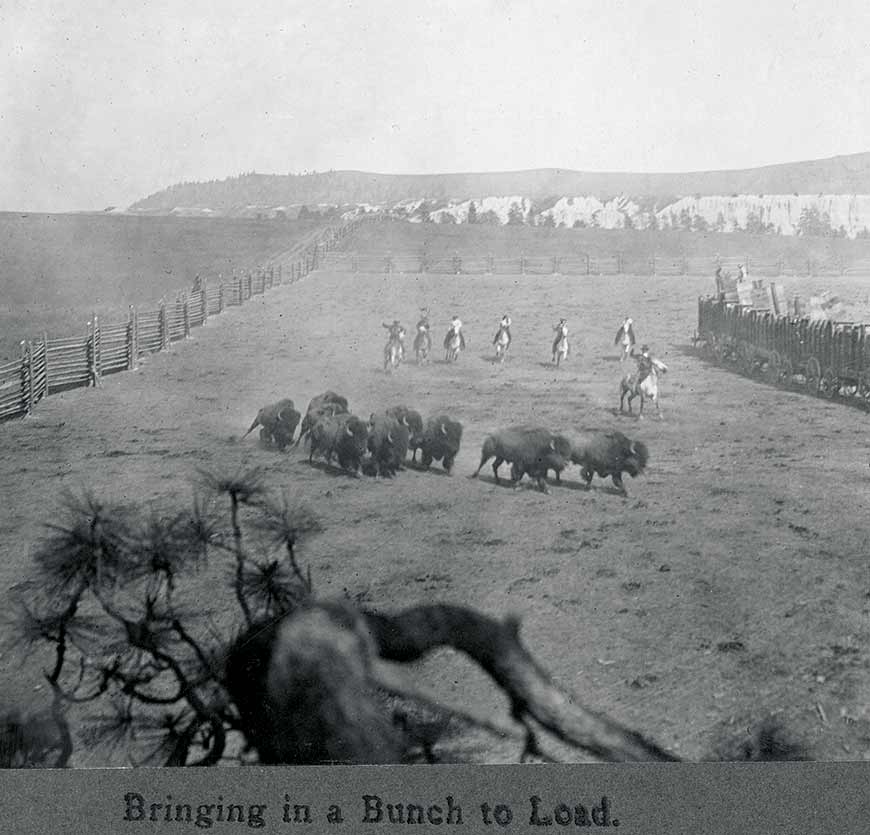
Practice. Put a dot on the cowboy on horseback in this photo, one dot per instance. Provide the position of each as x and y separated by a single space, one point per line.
422 340
502 338
561 334
454 341
644 363
503 325
397 335
455 330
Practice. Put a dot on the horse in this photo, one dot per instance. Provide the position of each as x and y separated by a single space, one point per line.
625 339
560 345
393 353
454 342
422 343
502 342
646 389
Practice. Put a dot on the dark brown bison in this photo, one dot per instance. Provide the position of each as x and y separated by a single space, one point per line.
410 417
438 442
327 404
388 443
530 449
342 436
609 454
277 423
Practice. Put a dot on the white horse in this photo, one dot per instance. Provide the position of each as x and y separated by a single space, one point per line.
646 389
560 344
422 342
394 352
454 342
625 339
502 342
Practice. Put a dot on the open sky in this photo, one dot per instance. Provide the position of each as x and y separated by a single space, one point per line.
103 102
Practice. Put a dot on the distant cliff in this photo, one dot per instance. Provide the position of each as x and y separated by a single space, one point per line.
838 175
817 197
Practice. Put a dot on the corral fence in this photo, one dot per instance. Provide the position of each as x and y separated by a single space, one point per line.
824 358
48 365
583 263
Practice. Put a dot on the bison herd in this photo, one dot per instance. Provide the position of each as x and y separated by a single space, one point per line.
380 446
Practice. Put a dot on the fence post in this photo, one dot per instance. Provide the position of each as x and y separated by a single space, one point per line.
780 265
93 351
204 300
522 263
131 339
652 264
185 312
26 377
164 326
45 362
388 263
491 266
619 263
588 263
221 298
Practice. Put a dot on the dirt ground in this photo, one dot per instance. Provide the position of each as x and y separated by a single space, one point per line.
732 583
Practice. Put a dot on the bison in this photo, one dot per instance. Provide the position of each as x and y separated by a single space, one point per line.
388 443
609 454
278 423
530 449
327 404
439 442
410 417
342 436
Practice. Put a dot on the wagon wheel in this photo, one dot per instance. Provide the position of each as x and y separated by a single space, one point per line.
786 372
773 368
830 384
813 375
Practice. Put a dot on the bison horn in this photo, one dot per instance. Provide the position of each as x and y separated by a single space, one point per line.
349 431
632 450
405 421
389 437
553 445
443 429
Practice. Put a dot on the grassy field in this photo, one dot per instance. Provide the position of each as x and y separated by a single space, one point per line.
56 270
730 585
510 241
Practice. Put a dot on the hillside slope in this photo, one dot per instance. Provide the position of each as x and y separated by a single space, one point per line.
837 175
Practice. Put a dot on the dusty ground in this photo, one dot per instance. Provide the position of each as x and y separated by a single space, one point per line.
732 583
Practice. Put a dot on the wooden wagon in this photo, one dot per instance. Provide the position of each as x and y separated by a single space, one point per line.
826 358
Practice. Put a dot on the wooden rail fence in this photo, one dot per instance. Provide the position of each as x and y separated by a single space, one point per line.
50 364
583 263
